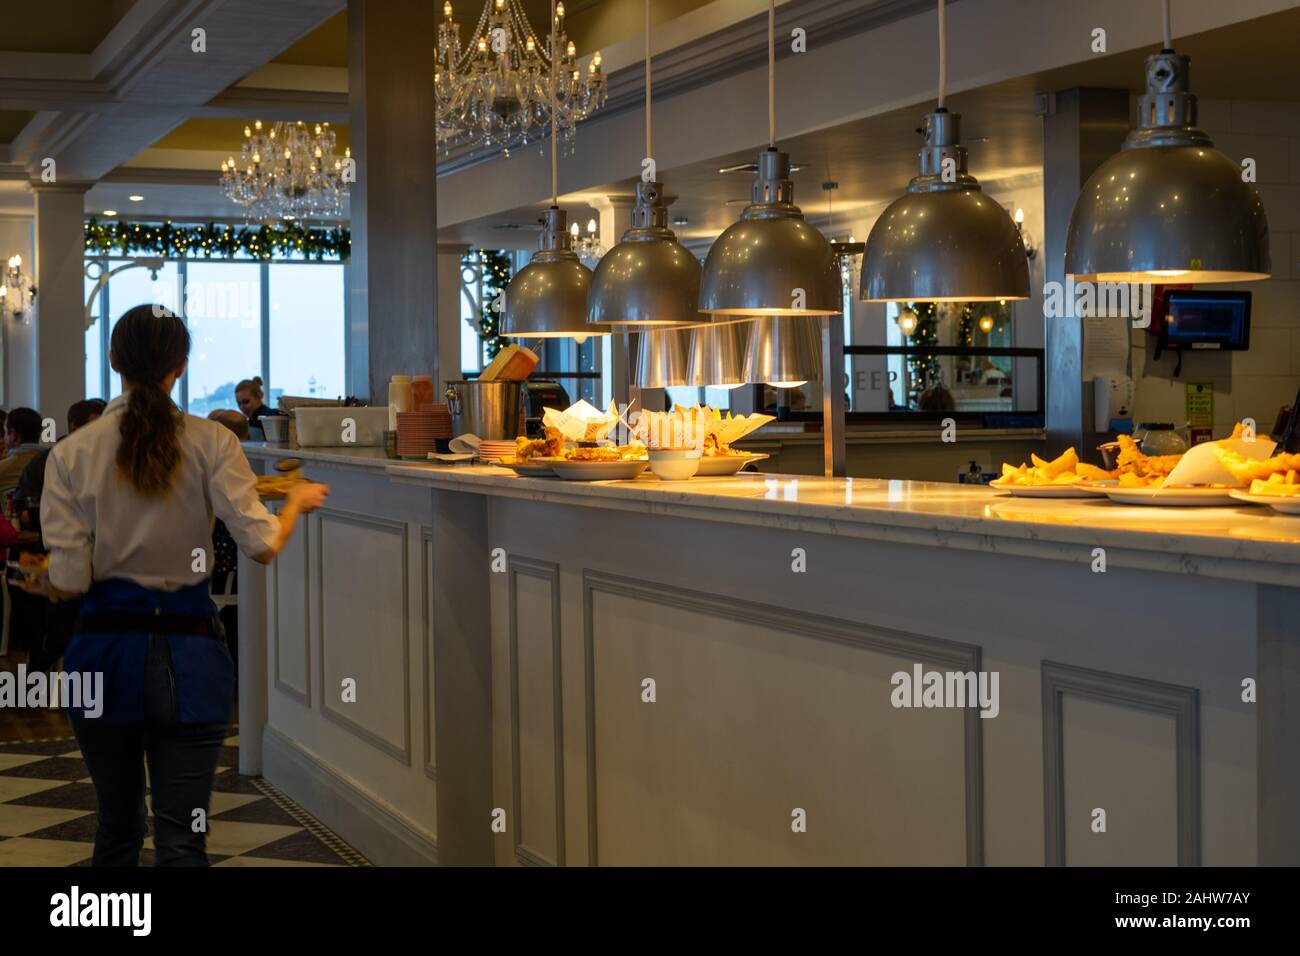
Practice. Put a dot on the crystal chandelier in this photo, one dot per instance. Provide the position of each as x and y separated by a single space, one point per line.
588 247
290 172
494 90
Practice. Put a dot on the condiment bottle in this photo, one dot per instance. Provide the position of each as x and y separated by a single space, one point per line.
421 392
399 398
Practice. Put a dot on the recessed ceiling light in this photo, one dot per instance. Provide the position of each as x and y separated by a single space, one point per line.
680 221
136 198
110 212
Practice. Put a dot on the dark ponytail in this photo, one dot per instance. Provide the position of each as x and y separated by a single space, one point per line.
149 342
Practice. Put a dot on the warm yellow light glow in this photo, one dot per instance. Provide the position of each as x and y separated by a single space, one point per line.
591 226
787 384
446 9
15 262
113 212
957 298
1188 276
986 324
1020 215
1169 273
727 387
573 230
136 198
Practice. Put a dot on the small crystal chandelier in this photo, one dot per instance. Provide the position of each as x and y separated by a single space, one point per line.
494 91
588 247
16 290
290 172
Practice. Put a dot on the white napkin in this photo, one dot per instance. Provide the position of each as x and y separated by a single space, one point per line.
1199 466
465 444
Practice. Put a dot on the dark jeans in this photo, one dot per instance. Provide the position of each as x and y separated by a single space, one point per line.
182 762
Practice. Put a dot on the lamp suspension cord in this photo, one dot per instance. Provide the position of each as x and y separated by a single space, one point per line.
555 161
943 56
649 138
1169 32
771 74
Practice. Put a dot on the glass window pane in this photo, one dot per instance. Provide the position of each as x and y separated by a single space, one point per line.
137 286
93 350
307 331
223 308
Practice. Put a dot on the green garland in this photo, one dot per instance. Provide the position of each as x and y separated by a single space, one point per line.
217 241
496 276
924 368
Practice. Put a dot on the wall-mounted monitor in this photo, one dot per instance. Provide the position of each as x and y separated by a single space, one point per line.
1206 320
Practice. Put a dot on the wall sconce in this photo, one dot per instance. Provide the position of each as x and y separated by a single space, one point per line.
1030 249
17 291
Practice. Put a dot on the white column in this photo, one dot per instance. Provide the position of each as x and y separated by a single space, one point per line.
59 316
19 338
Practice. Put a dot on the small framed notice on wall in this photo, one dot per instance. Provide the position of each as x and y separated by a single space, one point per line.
1199 403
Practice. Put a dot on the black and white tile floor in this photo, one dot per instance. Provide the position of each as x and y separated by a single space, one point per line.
47 814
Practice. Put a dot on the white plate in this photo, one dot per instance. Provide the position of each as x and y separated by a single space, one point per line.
1286 505
1172 497
530 469
1077 490
715 466
599 470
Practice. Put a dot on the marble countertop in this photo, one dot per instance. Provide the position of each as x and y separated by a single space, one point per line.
1247 543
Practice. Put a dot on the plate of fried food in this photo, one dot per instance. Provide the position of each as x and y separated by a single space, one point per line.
273 487
1063 477
1273 481
544 457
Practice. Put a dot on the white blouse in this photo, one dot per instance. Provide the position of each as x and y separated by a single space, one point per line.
97 526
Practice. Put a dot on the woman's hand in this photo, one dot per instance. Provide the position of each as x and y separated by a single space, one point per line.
308 495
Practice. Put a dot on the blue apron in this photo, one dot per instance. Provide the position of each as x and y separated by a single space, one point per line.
204 673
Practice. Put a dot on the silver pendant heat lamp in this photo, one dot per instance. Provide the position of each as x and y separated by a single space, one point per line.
548 297
649 279
785 352
771 262
1168 207
944 240
717 355
662 357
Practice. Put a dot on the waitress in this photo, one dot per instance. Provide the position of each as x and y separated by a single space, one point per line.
127 515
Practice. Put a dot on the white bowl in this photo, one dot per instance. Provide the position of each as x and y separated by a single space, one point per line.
674 465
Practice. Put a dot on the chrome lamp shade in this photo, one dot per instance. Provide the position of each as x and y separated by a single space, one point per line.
717 355
649 279
548 297
784 352
662 357
771 262
1168 207
944 240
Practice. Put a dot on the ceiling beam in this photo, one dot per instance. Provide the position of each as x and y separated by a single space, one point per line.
153 80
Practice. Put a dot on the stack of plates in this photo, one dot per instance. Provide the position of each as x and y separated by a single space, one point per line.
441 419
496 450
418 432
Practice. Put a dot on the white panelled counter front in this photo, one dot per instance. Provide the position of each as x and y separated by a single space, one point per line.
453 664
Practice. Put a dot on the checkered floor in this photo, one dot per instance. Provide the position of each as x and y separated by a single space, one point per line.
47 814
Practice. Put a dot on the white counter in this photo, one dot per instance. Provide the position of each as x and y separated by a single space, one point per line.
509 625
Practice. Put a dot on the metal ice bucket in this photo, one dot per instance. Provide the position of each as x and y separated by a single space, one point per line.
490 410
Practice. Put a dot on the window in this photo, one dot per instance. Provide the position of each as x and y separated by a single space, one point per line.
307 330
93 346
285 321
127 289
223 309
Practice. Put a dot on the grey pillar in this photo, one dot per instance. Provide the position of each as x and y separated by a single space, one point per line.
59 315
394 203
1081 127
